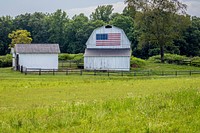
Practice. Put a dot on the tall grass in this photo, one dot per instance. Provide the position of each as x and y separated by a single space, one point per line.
59 103
171 112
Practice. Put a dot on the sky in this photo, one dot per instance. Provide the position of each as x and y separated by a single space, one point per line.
72 7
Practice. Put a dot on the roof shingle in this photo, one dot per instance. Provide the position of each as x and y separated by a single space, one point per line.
37 48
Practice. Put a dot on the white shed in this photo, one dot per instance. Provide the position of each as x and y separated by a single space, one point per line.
108 48
39 56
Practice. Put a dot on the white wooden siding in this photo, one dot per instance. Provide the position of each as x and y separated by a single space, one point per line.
43 61
107 63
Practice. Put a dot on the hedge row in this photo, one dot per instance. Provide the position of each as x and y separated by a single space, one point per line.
176 59
65 56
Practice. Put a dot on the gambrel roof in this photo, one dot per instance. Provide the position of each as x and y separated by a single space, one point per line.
37 48
112 34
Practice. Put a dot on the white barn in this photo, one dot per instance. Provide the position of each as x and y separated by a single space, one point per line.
108 48
39 56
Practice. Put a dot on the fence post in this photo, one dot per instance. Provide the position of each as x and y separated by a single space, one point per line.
94 72
162 73
190 73
40 71
25 71
176 73
53 72
21 69
134 73
67 72
122 73
81 72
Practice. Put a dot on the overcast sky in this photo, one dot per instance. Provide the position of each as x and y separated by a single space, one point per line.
72 7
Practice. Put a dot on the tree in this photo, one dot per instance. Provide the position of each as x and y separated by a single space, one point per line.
158 21
6 26
102 13
21 22
38 27
189 45
20 37
77 33
57 23
129 11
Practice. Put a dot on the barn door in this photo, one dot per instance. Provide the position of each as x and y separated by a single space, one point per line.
17 62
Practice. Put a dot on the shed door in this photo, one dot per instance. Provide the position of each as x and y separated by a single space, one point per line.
17 62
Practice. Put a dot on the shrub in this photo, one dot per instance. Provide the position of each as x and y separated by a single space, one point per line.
65 56
195 61
169 58
62 56
79 57
155 59
6 61
137 62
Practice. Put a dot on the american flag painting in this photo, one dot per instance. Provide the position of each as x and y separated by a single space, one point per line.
108 39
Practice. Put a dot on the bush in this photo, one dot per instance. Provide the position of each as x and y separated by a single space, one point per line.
6 61
169 58
195 61
66 56
137 62
78 57
155 59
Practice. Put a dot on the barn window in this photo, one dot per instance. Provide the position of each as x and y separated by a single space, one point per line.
101 36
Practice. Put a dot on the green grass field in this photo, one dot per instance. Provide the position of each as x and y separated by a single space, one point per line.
166 67
76 103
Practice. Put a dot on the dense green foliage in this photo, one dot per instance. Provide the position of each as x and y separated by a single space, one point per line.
177 59
20 37
6 61
137 62
75 57
189 44
72 33
169 58
98 103
158 22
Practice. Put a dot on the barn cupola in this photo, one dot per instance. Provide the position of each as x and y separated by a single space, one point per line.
108 26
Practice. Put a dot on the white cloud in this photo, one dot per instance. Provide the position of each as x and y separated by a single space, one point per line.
193 7
118 7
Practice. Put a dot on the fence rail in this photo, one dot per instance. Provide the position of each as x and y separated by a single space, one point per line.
37 71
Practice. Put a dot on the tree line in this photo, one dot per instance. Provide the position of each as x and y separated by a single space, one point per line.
149 27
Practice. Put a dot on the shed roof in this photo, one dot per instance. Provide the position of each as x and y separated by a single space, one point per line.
37 48
107 52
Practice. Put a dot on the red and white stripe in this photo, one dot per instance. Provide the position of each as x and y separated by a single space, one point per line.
114 39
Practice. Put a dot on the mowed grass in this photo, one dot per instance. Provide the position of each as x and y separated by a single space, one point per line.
62 103
167 67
